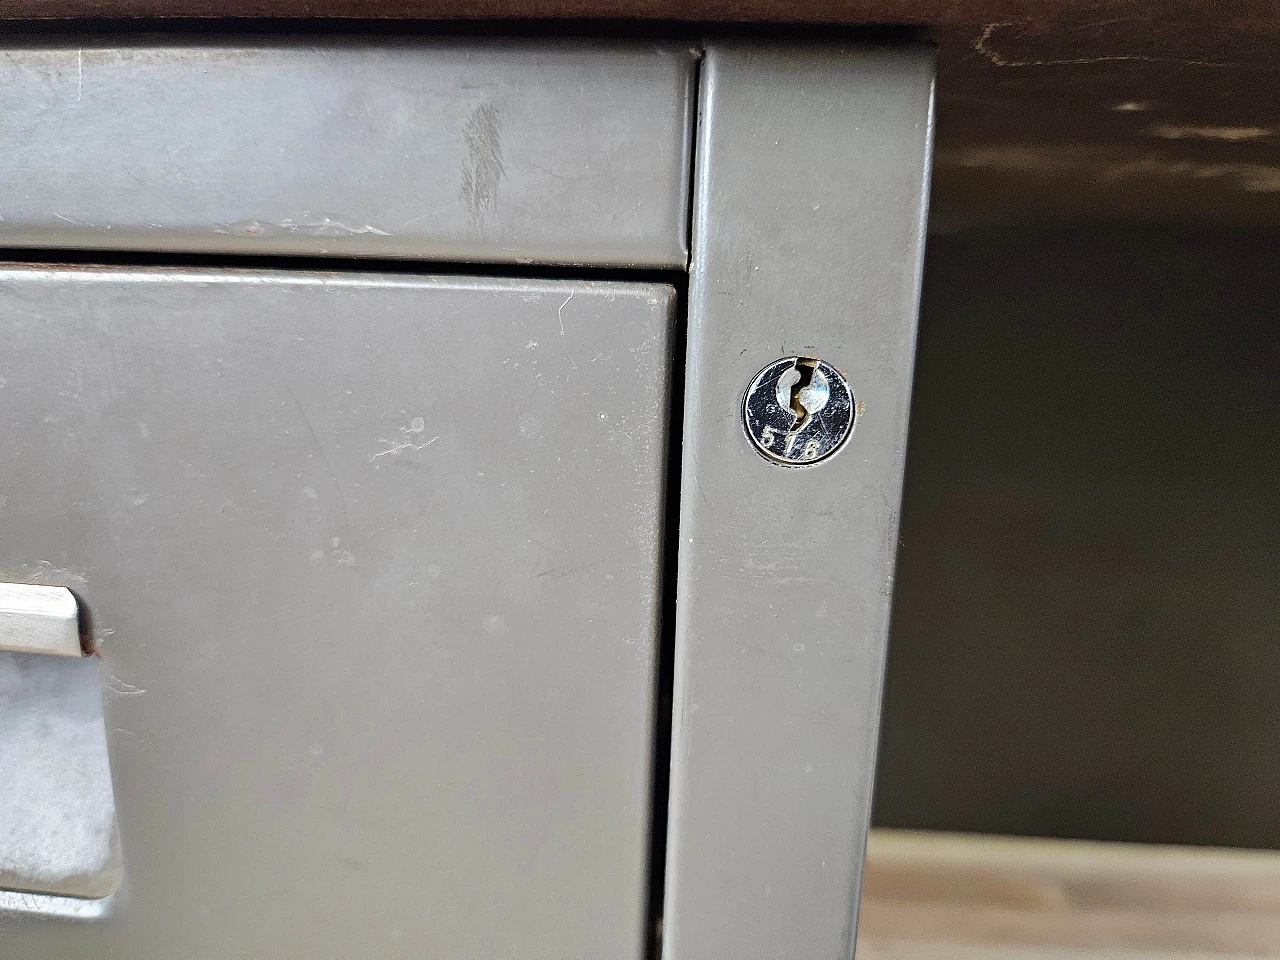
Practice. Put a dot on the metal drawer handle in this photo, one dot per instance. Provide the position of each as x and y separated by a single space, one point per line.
39 619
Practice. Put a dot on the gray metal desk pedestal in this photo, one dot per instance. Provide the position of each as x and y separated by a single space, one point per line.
376 559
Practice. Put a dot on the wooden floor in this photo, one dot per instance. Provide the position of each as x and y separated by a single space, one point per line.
910 950
941 896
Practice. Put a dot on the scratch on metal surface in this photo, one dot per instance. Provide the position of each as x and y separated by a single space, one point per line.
484 169
317 227
395 447
45 572
560 313
461 310
408 442
333 474
79 74
120 687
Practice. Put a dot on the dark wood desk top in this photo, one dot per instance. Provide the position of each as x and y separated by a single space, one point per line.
1134 110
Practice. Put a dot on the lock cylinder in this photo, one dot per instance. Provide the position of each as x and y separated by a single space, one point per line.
798 411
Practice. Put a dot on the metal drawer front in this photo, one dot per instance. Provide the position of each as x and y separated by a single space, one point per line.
373 564
550 152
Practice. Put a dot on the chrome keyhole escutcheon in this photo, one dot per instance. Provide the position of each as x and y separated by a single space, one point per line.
798 411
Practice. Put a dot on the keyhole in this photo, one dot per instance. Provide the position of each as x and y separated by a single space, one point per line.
803 389
804 366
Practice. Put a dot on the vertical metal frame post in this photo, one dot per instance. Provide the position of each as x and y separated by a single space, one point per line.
809 210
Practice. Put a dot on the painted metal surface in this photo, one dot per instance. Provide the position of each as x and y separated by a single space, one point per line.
550 151
39 619
57 811
378 648
809 209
